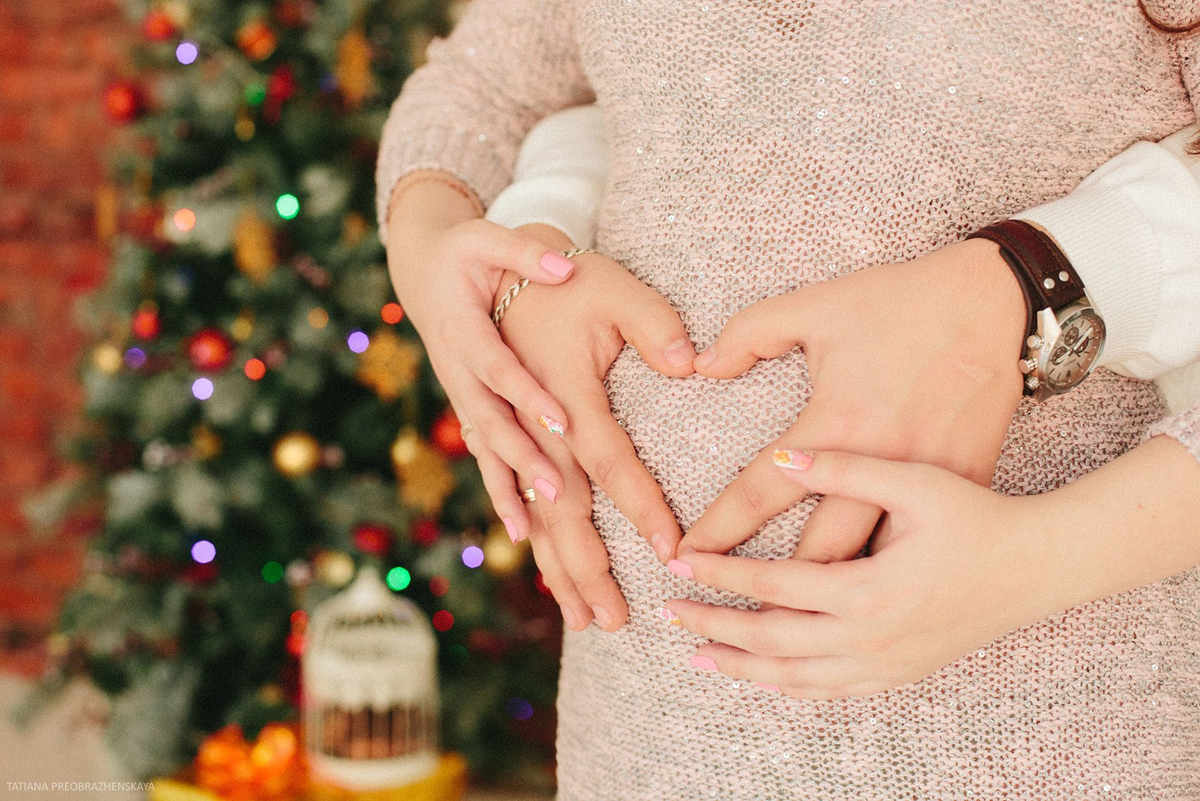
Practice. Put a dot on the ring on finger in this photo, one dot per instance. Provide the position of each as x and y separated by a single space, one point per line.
528 495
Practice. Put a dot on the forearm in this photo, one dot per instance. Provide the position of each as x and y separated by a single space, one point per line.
1132 522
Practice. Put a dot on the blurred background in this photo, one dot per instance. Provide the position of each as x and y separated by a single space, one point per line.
214 416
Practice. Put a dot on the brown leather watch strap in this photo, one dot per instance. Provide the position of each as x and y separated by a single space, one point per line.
1046 276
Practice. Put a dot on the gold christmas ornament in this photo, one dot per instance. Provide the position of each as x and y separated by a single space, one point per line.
205 443
389 365
296 454
253 247
500 556
424 474
333 568
243 326
353 69
107 358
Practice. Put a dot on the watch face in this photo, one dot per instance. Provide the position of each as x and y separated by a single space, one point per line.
1074 354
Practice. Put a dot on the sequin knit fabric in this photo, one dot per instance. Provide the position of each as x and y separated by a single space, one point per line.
756 148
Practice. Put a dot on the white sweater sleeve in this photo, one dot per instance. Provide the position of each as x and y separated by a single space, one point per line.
560 176
1132 231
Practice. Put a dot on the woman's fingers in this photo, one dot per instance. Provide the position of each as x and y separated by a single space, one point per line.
818 672
769 328
890 485
808 586
496 247
485 355
838 529
773 632
493 420
604 451
501 486
575 611
648 322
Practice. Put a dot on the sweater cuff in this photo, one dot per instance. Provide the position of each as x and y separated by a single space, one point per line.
1104 236
464 154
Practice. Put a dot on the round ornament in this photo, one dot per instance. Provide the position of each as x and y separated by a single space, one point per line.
333 568
158 26
256 40
296 454
447 435
107 358
123 101
373 539
210 350
145 323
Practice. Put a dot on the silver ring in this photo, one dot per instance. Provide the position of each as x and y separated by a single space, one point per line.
528 495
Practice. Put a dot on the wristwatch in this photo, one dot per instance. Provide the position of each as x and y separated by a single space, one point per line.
1064 334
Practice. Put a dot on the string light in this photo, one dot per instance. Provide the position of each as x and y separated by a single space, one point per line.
520 709
135 358
255 369
185 220
398 578
443 620
288 206
358 341
472 556
392 313
204 552
256 93
202 388
272 572
186 52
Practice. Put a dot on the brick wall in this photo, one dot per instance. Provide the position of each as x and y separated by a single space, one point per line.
56 57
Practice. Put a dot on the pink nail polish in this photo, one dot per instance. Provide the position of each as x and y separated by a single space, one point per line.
544 487
603 616
793 460
702 662
557 265
679 353
661 547
772 687
553 426
667 614
681 569
706 357
570 618
511 528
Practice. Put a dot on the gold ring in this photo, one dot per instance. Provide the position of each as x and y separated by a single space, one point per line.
466 429
528 495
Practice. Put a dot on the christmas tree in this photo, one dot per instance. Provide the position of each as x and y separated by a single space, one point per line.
260 415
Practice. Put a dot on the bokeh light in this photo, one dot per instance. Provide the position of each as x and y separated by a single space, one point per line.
204 552
392 313
202 388
472 556
443 620
272 572
255 369
318 318
358 341
186 52
520 709
288 206
185 220
439 586
398 578
135 358
256 93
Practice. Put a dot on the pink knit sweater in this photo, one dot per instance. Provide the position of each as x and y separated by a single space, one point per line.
761 146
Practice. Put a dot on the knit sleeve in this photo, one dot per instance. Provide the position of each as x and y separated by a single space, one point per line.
507 64
1184 427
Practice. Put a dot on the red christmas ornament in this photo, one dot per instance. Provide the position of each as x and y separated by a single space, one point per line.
425 532
281 87
123 101
210 350
373 539
447 435
157 26
145 323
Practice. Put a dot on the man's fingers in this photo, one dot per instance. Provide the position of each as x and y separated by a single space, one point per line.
888 484
606 454
837 530
494 245
775 671
769 328
648 322
775 632
808 586
575 611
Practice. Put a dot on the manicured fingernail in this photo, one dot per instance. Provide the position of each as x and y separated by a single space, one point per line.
774 687
706 357
680 353
681 568
558 265
661 547
553 426
793 460
544 487
668 615
702 662
570 618
511 528
603 616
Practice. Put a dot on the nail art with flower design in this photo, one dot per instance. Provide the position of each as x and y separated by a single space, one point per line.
793 460
667 614
553 426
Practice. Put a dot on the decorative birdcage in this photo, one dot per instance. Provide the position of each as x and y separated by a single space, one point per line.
370 686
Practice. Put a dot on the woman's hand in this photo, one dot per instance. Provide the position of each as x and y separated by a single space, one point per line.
446 265
959 566
913 361
568 336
